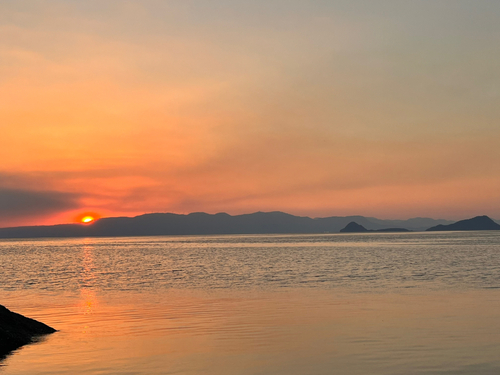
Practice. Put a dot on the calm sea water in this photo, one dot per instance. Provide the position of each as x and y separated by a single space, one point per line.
410 303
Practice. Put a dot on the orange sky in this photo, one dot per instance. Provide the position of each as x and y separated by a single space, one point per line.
314 108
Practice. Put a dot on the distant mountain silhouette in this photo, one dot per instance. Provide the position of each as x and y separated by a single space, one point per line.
476 223
354 227
158 224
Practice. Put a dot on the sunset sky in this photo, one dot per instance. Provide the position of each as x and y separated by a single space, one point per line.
317 108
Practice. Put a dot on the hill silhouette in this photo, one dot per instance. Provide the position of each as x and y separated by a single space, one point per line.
203 223
476 223
159 224
353 227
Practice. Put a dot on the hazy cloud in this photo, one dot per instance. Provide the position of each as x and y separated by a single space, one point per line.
315 108
18 203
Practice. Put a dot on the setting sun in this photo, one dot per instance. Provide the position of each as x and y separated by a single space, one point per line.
87 219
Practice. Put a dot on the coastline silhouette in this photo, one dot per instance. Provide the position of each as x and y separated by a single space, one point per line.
158 224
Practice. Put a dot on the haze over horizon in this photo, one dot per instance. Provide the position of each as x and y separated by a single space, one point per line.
386 109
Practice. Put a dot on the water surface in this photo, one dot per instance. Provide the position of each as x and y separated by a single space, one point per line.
410 303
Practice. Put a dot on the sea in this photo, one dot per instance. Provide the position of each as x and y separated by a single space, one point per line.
371 304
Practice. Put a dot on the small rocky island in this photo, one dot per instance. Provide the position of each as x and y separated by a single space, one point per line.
354 227
17 330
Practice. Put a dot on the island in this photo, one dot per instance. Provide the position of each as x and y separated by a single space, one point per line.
17 330
476 223
354 227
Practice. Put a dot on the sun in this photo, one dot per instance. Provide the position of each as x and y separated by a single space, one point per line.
87 219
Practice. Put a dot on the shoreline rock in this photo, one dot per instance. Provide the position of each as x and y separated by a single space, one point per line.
17 330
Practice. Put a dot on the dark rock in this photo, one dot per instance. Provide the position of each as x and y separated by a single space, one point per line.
476 223
17 330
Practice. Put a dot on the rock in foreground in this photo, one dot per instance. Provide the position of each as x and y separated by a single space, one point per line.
17 330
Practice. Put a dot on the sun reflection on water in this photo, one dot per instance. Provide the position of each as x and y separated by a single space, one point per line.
89 301
87 289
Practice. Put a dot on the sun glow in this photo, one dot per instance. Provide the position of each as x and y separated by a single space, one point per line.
87 219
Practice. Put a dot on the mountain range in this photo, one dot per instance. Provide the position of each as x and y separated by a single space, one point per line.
200 223
157 224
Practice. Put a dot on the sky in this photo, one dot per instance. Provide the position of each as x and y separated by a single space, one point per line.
386 108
